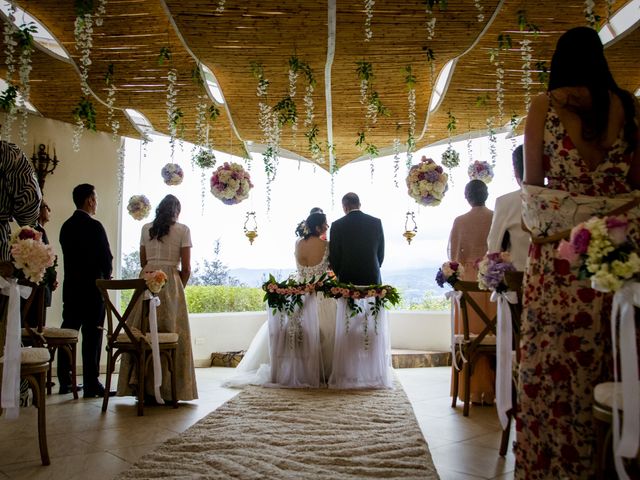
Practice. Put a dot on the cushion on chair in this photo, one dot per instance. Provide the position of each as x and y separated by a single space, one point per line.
487 340
162 337
53 332
34 356
603 394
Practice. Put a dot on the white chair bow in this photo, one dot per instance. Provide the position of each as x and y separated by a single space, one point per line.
154 303
454 296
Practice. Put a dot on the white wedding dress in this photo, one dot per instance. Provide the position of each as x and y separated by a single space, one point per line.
286 351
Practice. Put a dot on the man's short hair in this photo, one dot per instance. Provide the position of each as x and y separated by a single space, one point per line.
517 158
476 192
351 201
81 193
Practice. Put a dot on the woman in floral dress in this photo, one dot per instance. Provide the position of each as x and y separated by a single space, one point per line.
581 144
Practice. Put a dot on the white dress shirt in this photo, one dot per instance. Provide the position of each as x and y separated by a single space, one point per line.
507 218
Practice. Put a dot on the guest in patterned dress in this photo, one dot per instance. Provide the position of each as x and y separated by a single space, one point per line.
581 143
467 245
165 245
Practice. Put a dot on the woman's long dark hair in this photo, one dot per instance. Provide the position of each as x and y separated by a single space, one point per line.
312 223
166 215
579 61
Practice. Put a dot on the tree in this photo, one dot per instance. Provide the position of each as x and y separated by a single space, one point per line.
130 267
213 272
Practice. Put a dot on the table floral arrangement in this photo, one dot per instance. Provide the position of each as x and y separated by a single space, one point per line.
450 273
155 280
491 270
204 158
29 254
230 183
427 183
139 207
603 252
172 174
480 170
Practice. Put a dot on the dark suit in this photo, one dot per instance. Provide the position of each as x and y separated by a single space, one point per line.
87 257
49 280
356 249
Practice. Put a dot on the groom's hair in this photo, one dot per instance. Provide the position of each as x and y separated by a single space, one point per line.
351 201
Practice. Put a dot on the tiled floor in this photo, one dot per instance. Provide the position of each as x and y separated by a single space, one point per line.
84 443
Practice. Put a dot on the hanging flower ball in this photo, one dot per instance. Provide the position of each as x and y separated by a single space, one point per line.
427 183
450 158
231 183
204 158
172 174
139 207
480 170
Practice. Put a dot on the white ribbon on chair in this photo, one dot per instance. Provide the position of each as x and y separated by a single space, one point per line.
154 303
454 296
625 442
504 342
11 371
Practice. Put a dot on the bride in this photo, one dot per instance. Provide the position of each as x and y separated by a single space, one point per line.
312 260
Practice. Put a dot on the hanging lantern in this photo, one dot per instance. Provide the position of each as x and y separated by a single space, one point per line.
410 227
251 227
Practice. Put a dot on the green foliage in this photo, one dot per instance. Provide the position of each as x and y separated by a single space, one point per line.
481 100
83 7
286 111
377 103
524 24
452 123
8 98
442 4
410 79
430 55
165 54
222 298
257 70
543 72
108 77
24 36
130 266
314 144
368 148
429 302
214 112
504 41
364 70
86 112
196 76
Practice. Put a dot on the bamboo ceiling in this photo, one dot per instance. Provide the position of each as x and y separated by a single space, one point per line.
269 32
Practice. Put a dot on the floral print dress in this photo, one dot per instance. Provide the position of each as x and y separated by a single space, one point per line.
565 336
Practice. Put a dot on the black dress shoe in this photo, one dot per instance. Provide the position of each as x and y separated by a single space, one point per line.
64 389
97 391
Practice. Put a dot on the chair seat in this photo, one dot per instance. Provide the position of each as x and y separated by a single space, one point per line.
52 332
603 394
32 356
162 337
487 340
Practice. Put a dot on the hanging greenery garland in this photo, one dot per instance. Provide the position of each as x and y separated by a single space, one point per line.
410 81
368 8
294 67
25 46
592 19
513 125
396 160
83 33
9 96
312 128
493 141
451 158
431 60
431 20
114 124
526 53
84 115
504 43
370 99
101 12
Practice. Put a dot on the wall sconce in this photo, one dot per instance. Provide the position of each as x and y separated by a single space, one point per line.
43 164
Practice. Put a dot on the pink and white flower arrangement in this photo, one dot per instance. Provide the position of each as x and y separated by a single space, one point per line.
139 207
155 280
427 183
491 271
231 183
172 174
603 252
480 170
450 273
30 255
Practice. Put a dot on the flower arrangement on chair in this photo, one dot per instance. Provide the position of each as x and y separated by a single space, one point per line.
231 183
450 273
603 252
427 182
139 207
29 254
155 280
491 270
480 170
172 174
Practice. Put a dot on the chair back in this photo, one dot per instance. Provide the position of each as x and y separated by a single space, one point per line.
34 307
467 302
117 320
514 281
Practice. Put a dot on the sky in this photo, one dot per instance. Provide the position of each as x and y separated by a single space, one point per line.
298 187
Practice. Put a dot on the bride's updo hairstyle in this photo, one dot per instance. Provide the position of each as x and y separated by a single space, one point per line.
166 215
312 223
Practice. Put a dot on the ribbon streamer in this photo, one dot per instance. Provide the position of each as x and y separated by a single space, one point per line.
455 296
10 399
625 436
504 361
154 303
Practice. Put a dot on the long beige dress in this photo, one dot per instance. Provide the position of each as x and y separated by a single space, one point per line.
468 244
172 316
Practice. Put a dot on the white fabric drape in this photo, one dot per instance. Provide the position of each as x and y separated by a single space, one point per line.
10 399
454 296
504 364
154 303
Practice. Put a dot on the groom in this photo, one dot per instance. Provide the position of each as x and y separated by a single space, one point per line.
356 249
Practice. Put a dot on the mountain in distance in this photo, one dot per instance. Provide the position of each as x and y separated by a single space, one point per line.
413 283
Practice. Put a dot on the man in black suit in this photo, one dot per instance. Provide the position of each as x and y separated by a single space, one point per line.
87 257
356 249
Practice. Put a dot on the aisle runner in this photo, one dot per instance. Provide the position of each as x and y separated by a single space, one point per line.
284 433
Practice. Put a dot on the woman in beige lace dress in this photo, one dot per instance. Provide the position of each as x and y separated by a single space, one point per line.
165 245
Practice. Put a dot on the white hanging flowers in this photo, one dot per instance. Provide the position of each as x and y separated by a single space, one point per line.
396 161
410 81
431 20
370 99
588 13
294 67
220 7
83 32
431 60
368 8
84 115
8 97
312 128
610 4
100 12
451 158
493 141
174 114
480 8
526 52
504 43
25 47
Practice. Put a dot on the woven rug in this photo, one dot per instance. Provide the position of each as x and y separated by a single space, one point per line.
302 434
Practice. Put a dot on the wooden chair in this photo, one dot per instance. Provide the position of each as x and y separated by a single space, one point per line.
468 346
514 284
63 340
124 339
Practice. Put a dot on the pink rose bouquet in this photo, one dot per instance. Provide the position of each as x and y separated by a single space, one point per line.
30 255
427 183
603 252
230 183
479 170
155 280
